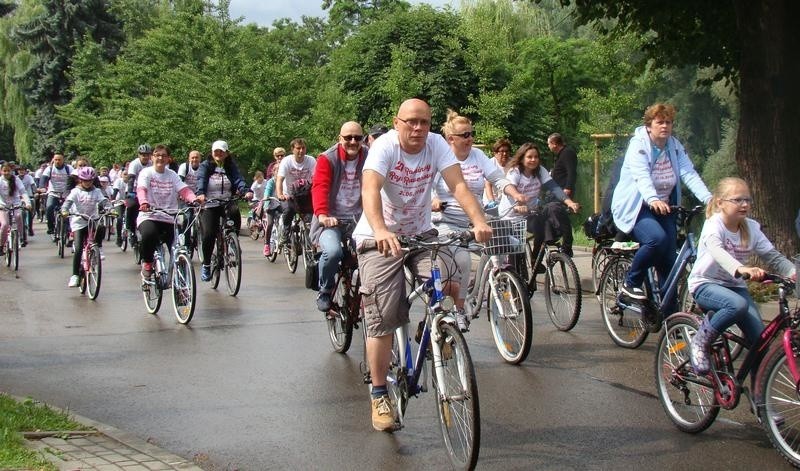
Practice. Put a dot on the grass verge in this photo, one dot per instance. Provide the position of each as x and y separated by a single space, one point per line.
27 416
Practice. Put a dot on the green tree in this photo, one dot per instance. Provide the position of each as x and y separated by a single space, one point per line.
752 44
51 38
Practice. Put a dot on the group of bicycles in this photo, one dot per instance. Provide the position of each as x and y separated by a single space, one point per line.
693 401
503 285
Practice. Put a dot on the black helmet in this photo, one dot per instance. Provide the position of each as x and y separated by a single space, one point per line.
145 149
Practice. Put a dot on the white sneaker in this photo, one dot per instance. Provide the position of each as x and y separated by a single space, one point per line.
73 281
102 255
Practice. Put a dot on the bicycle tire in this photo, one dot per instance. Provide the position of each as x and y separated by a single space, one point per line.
510 317
109 223
217 261
254 234
626 328
16 246
340 320
778 402
152 297
94 275
124 245
61 230
273 244
9 251
600 258
291 253
676 382
82 280
562 291
184 288
308 251
233 263
397 382
457 403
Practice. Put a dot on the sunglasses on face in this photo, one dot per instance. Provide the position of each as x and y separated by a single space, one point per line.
352 138
465 134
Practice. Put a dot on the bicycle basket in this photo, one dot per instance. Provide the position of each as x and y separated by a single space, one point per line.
508 236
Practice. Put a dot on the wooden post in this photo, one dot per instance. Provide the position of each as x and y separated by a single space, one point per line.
597 138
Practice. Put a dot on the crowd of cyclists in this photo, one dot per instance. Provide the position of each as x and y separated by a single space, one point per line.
406 181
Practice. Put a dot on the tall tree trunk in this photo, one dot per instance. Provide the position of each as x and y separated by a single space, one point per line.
768 141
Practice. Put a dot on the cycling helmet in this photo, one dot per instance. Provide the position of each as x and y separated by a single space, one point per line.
86 174
145 149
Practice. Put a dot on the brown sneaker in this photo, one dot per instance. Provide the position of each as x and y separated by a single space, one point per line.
383 414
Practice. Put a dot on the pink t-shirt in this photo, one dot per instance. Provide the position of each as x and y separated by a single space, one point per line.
162 193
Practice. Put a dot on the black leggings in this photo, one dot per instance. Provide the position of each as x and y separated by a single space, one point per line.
154 232
80 236
209 226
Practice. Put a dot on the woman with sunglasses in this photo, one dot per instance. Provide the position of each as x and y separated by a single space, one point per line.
478 171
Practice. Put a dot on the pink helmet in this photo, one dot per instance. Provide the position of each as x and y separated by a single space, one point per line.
86 174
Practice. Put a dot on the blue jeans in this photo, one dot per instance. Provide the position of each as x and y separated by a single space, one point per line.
731 306
657 246
330 246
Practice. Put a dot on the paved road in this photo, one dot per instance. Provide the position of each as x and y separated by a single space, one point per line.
253 384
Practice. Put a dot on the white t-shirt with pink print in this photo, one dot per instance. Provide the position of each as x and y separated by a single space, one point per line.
408 179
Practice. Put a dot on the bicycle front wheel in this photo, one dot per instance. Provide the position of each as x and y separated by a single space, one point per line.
62 236
15 246
688 400
273 243
292 253
510 317
184 289
233 263
340 324
625 327
779 403
94 274
457 399
562 291
217 261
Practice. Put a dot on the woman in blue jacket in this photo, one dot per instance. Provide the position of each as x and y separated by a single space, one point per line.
650 181
218 178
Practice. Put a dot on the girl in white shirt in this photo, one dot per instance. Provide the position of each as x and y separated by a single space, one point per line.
727 241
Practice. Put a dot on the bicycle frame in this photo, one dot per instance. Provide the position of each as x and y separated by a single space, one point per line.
432 288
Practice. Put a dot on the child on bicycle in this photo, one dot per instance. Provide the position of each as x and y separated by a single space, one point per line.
271 207
12 191
83 199
726 242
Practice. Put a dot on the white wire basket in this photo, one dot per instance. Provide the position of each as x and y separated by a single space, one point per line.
508 236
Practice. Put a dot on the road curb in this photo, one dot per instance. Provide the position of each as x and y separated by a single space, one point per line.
108 449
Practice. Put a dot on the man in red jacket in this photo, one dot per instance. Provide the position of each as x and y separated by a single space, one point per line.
336 197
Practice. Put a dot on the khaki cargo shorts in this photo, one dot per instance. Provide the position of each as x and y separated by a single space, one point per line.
383 286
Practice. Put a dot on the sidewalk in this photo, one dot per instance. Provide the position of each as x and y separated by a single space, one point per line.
104 448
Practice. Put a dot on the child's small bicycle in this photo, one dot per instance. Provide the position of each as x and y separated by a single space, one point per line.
91 269
693 401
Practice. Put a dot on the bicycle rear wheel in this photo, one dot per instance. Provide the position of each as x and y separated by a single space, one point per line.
255 230
94 274
562 291
625 327
457 399
779 403
339 320
510 317
184 289
233 263
397 381
688 400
